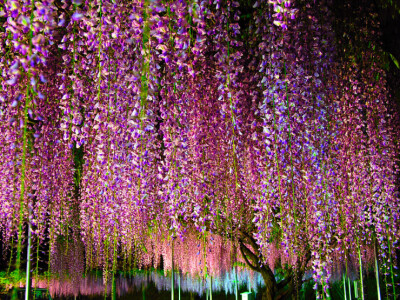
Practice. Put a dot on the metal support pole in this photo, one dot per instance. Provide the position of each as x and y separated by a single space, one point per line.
236 284
179 285
210 287
348 283
361 275
28 262
172 270
377 274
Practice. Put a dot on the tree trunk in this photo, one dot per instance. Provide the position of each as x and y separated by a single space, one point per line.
267 295
289 287
270 286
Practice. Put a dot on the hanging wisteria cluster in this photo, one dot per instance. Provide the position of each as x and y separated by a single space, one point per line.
131 122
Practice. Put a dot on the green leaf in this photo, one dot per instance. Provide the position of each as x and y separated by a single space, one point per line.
395 61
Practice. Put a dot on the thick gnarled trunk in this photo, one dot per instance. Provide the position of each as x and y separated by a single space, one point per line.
289 286
274 291
270 287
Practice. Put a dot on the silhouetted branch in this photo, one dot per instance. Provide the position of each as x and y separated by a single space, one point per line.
254 268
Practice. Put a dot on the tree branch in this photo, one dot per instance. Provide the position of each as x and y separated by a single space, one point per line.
254 258
252 241
285 281
282 293
306 260
256 269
